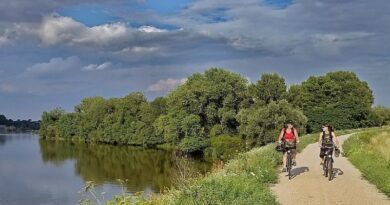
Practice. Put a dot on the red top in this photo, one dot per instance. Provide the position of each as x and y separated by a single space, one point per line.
288 135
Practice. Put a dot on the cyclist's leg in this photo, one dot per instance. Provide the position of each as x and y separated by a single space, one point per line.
294 154
284 160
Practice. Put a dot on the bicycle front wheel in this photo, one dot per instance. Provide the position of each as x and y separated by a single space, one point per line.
325 167
330 169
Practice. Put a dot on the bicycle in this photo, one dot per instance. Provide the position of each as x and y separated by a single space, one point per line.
328 161
289 162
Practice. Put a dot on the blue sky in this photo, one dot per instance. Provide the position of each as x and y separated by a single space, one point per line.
54 53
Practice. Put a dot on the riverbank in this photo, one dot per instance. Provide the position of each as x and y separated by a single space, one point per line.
369 152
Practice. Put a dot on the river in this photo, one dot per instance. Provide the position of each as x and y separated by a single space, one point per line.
34 171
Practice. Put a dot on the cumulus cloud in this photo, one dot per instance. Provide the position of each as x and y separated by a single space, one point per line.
166 84
151 29
53 66
96 67
57 29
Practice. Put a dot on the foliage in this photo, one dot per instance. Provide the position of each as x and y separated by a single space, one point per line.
382 115
337 97
270 87
18 125
219 102
264 123
224 147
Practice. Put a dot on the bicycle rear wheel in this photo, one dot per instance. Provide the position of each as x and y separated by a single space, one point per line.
330 169
325 167
289 165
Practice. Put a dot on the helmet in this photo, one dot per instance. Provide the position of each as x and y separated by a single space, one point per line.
289 122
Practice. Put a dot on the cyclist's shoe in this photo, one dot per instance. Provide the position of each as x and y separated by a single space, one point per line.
321 163
284 169
294 163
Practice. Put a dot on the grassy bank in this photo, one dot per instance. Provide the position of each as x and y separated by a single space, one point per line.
369 151
243 180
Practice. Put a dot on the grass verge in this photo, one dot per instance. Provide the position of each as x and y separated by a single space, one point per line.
369 151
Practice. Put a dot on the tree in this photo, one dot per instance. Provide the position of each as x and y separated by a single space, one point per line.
270 87
49 123
383 115
340 98
263 124
205 100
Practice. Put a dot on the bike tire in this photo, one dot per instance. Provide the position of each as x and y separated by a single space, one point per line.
330 170
289 165
325 167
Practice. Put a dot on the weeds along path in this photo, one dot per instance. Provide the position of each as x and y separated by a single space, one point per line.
309 186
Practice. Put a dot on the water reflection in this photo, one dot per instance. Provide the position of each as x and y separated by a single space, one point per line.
145 169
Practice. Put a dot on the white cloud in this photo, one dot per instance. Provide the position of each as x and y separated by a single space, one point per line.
54 66
59 29
95 67
151 29
166 84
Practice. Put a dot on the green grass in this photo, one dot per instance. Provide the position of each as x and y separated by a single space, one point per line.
369 151
244 180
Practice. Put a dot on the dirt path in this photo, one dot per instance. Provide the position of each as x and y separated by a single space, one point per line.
309 186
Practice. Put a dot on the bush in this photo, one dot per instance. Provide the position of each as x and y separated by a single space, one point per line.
224 147
192 144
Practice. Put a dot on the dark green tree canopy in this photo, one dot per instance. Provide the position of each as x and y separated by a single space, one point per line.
270 87
340 98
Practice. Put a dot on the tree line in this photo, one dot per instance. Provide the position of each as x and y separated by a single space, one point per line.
219 108
18 125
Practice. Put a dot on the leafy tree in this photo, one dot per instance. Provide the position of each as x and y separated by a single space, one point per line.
340 98
270 87
205 100
49 123
382 115
263 124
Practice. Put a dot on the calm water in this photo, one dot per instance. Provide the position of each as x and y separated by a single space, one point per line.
34 171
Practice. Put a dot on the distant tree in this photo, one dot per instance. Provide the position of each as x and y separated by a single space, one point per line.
383 115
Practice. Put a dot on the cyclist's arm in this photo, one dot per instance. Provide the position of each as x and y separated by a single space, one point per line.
336 140
320 139
296 135
280 136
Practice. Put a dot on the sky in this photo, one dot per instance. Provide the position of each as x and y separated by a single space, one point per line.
53 53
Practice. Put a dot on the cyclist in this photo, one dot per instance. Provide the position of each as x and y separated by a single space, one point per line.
289 137
327 139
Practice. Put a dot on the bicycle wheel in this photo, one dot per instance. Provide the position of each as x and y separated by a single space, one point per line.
289 164
330 169
325 167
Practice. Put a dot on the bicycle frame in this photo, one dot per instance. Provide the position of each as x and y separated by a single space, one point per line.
289 162
328 161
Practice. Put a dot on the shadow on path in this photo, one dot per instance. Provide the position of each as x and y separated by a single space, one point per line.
298 171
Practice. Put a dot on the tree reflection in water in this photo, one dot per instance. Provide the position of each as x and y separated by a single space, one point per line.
144 168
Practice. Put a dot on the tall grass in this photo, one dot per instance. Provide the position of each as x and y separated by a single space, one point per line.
369 151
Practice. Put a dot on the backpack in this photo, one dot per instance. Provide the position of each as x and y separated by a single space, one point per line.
323 137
